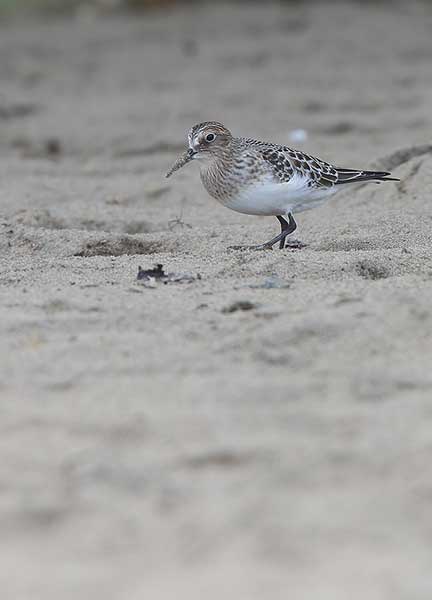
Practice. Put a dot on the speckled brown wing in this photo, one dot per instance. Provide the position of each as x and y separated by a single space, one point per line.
286 162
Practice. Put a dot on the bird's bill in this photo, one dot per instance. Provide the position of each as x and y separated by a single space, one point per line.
182 160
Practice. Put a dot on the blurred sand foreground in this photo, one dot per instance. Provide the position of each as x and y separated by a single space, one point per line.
156 442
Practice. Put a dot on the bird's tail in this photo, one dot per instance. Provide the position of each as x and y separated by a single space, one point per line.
356 176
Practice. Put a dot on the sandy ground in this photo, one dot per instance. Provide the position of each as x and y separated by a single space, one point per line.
157 443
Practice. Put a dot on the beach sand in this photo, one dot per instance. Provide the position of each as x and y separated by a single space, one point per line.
264 429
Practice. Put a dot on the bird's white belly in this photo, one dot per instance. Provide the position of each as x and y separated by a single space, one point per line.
277 198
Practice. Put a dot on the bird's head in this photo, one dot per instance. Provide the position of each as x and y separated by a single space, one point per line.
207 141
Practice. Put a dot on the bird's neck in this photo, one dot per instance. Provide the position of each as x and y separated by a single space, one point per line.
215 174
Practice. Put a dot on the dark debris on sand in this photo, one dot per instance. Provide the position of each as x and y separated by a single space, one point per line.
150 277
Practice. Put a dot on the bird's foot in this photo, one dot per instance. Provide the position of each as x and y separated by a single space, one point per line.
259 247
295 245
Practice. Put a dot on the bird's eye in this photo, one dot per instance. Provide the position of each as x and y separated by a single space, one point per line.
210 137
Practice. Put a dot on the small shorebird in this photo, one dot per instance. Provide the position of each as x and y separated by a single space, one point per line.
259 178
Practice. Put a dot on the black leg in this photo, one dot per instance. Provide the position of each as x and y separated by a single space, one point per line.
284 243
284 226
286 229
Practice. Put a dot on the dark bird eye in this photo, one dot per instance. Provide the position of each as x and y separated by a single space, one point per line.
210 137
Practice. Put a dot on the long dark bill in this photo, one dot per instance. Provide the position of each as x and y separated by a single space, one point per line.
182 160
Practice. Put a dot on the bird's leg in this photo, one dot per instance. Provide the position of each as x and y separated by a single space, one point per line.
286 229
284 225
293 244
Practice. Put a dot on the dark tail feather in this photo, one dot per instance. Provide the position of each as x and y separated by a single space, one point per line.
354 176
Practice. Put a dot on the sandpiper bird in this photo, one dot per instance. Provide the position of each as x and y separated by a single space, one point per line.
260 178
